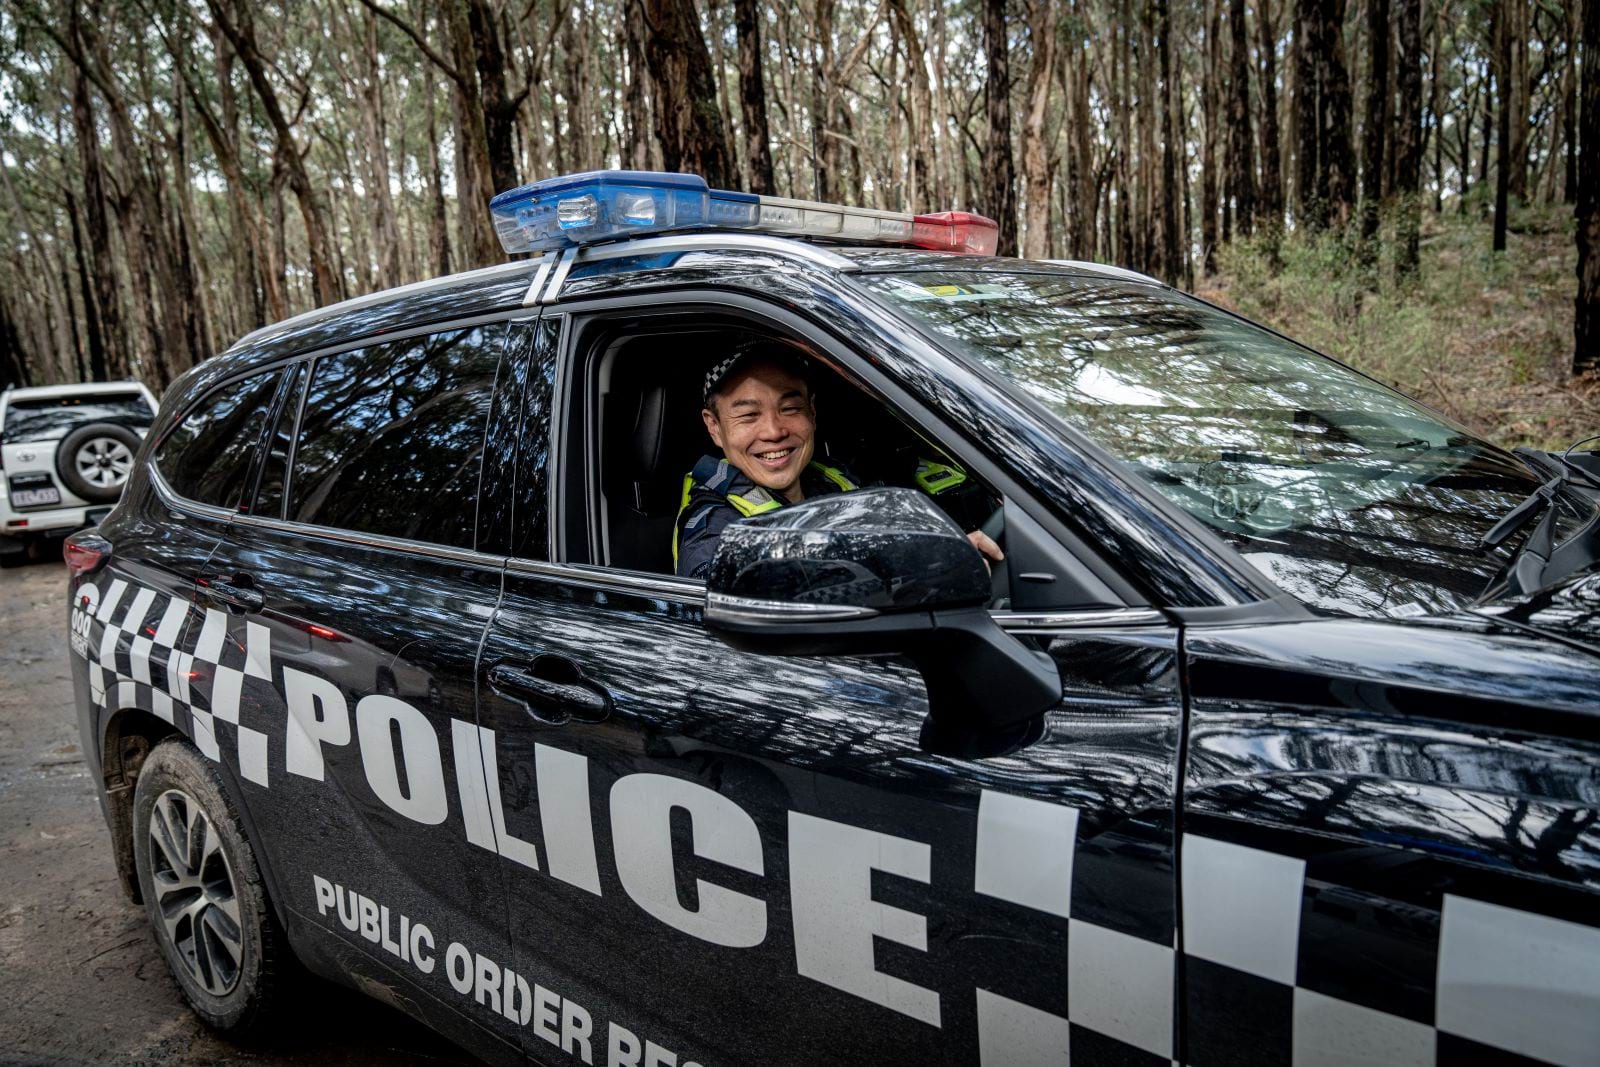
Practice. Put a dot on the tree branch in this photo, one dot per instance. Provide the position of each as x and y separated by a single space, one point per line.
410 31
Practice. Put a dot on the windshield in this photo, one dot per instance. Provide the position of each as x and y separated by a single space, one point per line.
53 418
1345 493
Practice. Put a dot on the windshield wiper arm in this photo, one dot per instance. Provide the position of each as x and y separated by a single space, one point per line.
1540 558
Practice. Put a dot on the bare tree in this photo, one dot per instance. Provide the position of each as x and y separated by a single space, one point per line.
753 98
1504 82
1586 353
1373 127
1241 154
999 170
1408 136
1037 173
1271 201
688 120
239 29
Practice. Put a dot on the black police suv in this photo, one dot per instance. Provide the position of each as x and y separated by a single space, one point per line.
1275 738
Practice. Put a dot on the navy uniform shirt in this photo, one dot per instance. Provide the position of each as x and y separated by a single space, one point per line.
706 510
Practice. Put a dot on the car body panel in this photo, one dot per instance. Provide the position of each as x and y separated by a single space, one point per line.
789 767
1413 798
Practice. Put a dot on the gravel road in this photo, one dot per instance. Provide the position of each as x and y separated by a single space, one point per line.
81 980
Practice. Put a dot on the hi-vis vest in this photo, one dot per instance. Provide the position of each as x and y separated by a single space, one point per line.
753 501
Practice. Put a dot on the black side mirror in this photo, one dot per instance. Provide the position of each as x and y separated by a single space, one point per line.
876 571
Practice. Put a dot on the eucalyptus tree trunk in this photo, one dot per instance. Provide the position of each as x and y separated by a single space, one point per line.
1515 13
688 122
102 301
1569 112
327 286
374 128
753 99
1333 149
1311 205
1211 115
1241 155
1036 170
1503 81
1373 127
999 171
1168 195
636 104
1586 353
1408 136
920 140
1271 200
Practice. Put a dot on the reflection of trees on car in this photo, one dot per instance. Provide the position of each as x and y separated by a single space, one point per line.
1346 493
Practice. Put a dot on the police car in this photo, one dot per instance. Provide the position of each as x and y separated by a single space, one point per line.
1274 739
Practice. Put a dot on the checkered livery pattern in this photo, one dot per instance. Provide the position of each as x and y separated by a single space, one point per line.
1276 974
1121 984
139 661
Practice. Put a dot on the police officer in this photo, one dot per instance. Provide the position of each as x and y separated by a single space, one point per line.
759 411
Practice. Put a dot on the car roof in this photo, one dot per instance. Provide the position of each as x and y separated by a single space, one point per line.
880 258
540 280
54 392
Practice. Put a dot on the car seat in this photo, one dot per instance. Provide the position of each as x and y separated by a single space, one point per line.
653 437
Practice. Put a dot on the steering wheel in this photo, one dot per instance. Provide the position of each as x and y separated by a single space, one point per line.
999 572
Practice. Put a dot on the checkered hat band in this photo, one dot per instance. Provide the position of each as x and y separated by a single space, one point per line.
718 371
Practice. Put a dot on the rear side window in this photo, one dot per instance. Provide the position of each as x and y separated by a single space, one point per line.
207 456
391 437
40 419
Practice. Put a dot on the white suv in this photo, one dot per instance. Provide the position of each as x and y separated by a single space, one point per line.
65 452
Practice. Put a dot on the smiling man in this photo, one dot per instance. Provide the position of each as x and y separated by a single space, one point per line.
758 409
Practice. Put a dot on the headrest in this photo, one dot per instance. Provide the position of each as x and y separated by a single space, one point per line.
650 432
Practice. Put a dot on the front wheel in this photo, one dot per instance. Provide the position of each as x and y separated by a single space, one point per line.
203 892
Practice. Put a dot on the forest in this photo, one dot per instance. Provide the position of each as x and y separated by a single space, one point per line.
178 172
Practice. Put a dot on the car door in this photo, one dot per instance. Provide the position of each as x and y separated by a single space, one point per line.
342 619
1390 846
728 857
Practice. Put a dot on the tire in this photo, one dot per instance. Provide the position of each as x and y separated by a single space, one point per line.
94 461
225 948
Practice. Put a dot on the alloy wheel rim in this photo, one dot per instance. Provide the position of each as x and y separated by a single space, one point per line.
194 892
104 462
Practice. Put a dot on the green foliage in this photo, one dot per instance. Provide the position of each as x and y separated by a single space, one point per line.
1483 337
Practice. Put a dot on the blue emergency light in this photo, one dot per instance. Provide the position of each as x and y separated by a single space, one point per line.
605 205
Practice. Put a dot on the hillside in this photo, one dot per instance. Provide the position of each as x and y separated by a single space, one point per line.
1486 339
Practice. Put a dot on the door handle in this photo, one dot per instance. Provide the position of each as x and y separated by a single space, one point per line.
238 597
553 690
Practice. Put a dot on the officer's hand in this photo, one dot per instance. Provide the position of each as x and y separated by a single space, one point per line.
985 544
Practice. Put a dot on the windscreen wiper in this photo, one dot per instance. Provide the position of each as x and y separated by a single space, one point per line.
1541 560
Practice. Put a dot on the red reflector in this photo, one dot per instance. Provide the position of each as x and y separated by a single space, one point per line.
956 231
85 552
17 522
322 632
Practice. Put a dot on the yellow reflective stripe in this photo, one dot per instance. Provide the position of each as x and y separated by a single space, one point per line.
688 488
935 478
748 508
835 477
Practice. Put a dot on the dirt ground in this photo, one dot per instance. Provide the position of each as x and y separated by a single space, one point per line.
81 979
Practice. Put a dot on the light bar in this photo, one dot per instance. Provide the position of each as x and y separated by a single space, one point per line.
607 205
956 231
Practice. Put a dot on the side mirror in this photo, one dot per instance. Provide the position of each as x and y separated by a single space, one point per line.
879 571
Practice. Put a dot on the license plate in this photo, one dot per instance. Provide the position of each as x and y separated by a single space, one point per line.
33 490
